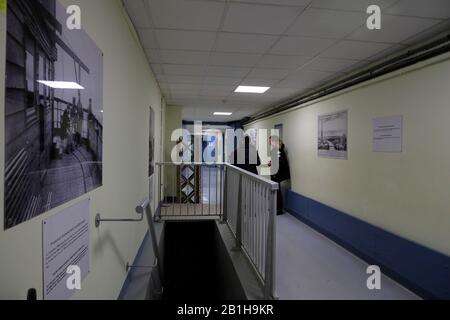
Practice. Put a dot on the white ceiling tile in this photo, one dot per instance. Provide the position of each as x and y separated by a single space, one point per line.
185 40
138 13
307 77
356 50
218 95
233 59
217 71
291 83
301 3
303 46
394 29
282 92
331 65
356 5
180 98
222 80
259 82
179 69
324 23
263 73
245 43
248 98
253 18
393 49
217 90
185 87
183 14
184 57
281 61
147 38
182 79
439 9
428 34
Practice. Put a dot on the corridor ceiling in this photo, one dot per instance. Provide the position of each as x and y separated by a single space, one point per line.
201 50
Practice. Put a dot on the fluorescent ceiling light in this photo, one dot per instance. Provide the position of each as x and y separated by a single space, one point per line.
61 85
251 89
223 113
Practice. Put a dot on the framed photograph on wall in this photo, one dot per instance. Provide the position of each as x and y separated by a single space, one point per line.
151 151
151 142
53 111
332 135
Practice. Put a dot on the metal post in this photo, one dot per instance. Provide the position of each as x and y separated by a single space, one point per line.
239 216
151 227
225 197
160 202
269 279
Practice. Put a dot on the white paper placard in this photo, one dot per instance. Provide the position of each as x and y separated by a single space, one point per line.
65 239
387 134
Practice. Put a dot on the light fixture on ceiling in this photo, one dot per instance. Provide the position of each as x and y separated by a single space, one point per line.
62 85
251 89
223 113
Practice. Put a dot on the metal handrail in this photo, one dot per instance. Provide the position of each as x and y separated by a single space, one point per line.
272 185
143 208
252 176
139 210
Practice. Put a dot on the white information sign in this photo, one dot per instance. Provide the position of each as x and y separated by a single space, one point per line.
387 134
65 244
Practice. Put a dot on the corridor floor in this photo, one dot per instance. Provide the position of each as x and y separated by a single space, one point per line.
310 266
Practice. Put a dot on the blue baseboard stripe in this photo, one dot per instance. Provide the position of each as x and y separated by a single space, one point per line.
126 283
422 270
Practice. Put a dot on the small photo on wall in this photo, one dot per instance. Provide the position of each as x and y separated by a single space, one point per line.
151 142
332 135
53 111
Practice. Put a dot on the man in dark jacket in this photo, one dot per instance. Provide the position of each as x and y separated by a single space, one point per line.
246 157
280 172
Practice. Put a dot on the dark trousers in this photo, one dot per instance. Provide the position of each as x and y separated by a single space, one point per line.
279 201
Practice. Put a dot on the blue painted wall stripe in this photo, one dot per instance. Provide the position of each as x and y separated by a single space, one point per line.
422 270
126 283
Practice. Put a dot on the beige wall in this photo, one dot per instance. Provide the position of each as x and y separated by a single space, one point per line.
129 90
408 193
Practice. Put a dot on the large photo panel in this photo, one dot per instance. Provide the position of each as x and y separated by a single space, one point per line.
53 111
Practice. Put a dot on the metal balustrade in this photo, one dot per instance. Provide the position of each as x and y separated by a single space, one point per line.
190 191
244 201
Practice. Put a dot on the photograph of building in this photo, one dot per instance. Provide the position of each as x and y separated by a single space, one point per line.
53 111
332 140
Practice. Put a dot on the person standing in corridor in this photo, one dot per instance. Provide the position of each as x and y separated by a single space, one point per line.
246 156
280 171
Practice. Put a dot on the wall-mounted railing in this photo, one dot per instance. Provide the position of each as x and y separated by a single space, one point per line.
244 201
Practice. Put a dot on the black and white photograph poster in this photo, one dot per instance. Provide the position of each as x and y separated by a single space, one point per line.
53 111
332 135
